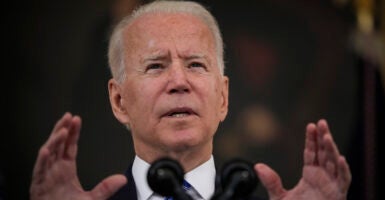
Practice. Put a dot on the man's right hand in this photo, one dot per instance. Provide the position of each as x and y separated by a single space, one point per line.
55 174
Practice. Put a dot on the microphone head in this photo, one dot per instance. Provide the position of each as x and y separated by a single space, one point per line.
238 175
164 176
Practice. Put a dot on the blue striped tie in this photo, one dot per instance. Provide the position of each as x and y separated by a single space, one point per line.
186 186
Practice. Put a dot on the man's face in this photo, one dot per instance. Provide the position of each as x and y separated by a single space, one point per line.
173 96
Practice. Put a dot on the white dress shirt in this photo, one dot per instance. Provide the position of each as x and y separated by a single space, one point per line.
202 179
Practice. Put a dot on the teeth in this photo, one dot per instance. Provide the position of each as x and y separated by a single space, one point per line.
179 114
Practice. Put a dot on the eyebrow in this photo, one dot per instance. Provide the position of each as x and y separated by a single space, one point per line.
154 57
194 56
161 55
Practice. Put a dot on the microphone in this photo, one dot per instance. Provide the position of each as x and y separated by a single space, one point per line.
237 179
165 177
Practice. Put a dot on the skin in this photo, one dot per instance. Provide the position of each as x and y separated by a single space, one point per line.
169 71
170 66
325 173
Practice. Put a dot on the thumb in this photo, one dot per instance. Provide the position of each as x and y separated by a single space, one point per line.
270 180
108 186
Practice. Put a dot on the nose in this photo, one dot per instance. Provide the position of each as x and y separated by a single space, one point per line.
178 80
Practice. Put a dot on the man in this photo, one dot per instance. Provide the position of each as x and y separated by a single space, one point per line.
169 89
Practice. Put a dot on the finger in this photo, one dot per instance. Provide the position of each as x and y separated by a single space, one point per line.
309 157
47 156
40 166
322 130
270 180
310 145
61 125
73 137
56 144
64 121
344 174
48 151
108 187
331 153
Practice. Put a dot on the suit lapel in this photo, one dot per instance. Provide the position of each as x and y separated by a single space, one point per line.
128 191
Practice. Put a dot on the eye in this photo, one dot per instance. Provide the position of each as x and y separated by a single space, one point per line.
197 65
154 67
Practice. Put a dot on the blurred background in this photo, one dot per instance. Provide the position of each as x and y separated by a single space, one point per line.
290 62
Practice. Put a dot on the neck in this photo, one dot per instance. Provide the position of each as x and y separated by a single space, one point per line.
189 158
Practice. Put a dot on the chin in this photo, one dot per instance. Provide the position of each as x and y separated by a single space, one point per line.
184 140
190 146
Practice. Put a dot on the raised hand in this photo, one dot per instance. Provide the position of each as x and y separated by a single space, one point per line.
54 174
325 174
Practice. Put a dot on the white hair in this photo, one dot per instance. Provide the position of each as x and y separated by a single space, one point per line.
116 48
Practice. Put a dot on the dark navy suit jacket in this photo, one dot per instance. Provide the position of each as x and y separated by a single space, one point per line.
128 191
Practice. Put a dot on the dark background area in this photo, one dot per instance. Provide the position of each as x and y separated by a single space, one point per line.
289 63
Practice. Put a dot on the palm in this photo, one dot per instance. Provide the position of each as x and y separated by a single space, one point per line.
325 174
61 182
54 175
315 182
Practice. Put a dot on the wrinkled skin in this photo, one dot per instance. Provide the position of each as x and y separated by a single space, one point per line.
173 95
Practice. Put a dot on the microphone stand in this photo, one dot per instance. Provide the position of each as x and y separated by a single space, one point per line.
236 180
165 177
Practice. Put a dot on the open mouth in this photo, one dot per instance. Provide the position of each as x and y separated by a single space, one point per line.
179 112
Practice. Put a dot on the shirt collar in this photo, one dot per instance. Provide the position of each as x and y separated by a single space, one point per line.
194 177
139 173
206 186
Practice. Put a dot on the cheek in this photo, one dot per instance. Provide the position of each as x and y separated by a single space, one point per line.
133 99
140 97
211 95
216 92
130 95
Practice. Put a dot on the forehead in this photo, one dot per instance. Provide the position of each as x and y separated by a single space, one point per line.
168 27
162 20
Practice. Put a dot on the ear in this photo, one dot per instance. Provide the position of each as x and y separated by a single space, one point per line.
117 102
224 97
